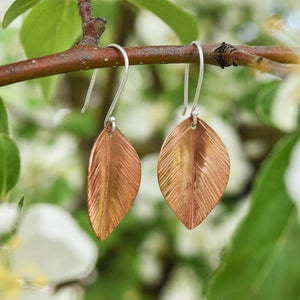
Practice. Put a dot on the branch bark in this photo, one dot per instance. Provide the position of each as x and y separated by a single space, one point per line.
92 28
228 55
272 60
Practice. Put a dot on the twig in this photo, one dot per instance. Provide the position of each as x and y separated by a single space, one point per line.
228 55
84 57
92 28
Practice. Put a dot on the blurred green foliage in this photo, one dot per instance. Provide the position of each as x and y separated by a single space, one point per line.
59 27
16 9
3 118
10 164
150 255
9 155
184 24
262 259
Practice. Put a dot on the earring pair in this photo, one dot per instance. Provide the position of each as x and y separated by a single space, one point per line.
193 166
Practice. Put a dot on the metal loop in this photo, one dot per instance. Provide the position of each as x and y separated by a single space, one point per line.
199 83
112 122
109 118
89 92
195 117
122 84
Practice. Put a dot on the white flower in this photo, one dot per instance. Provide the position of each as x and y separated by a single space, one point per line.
285 107
8 217
50 248
183 284
53 242
149 264
68 293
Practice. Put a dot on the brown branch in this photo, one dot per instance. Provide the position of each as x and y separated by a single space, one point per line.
84 57
228 55
240 58
92 28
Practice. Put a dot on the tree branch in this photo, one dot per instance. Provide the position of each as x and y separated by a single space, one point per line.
228 55
273 60
92 28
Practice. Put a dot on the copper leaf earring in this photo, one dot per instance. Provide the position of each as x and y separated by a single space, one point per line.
193 166
114 171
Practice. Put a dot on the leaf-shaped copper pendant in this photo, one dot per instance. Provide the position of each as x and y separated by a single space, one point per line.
193 171
114 177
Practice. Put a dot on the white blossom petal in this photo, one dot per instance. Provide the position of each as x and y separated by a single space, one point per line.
53 245
183 284
8 217
149 258
286 104
68 293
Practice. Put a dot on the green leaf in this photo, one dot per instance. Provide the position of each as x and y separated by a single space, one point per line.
3 118
264 101
16 9
48 85
9 164
183 23
107 9
20 203
263 261
51 26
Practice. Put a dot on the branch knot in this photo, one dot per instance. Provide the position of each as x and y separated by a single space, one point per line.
221 55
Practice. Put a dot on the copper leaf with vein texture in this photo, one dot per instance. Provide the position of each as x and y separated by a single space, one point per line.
193 171
114 177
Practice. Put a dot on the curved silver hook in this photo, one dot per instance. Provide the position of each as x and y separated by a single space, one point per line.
109 118
199 84
122 84
89 92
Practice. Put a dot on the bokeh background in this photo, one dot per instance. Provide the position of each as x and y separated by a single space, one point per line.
151 255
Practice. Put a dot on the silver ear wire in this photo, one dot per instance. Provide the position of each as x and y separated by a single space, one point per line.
109 119
122 84
89 92
199 84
